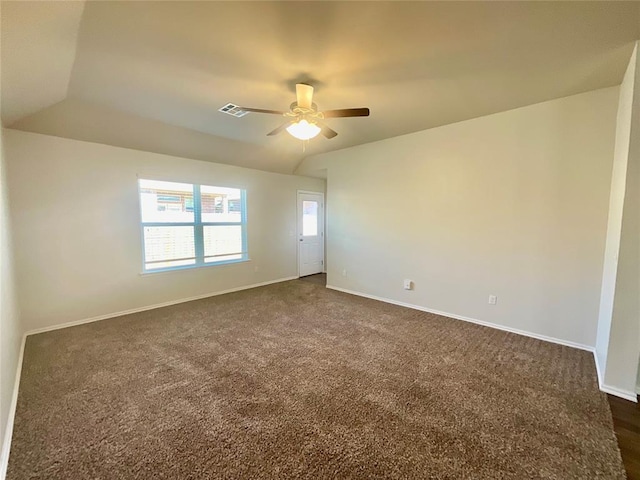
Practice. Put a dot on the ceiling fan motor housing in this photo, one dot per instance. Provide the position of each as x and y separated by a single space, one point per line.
311 115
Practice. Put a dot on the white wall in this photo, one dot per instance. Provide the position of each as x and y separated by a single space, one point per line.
513 204
614 225
78 241
618 345
10 328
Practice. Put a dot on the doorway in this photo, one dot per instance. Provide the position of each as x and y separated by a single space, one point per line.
310 233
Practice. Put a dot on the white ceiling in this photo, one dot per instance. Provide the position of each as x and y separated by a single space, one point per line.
166 67
38 50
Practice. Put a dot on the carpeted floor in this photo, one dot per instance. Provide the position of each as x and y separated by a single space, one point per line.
296 381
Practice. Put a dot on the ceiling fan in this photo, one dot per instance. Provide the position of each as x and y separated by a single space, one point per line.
304 121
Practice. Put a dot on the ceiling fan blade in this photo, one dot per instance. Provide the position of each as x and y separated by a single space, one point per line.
326 131
278 130
347 112
261 110
304 95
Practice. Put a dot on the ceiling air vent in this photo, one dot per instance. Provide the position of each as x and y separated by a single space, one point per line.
232 109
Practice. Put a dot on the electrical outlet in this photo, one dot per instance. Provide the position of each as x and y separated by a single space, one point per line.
256 269
493 299
344 272
407 284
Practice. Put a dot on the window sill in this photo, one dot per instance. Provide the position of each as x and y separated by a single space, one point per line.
193 267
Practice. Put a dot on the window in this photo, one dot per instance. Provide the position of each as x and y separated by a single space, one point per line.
186 226
309 218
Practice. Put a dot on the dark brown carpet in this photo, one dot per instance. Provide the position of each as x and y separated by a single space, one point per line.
296 381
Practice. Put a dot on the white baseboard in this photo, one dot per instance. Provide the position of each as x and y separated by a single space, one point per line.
538 336
599 370
618 392
6 445
152 307
627 395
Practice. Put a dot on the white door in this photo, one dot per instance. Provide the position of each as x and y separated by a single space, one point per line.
310 233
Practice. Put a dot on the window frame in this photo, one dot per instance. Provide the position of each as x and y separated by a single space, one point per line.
198 230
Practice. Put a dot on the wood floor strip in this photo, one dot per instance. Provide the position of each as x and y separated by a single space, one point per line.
626 422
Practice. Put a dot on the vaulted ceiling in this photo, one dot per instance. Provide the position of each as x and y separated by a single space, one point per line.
152 75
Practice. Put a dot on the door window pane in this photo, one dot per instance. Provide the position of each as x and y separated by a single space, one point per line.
309 218
166 202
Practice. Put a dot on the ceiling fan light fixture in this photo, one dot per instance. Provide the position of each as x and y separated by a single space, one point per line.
303 130
303 116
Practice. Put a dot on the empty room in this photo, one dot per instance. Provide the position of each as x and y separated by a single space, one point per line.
319 239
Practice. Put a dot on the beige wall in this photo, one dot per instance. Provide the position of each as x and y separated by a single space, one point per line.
618 345
513 204
77 228
10 328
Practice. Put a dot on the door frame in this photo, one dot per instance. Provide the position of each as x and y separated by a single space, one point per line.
324 228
